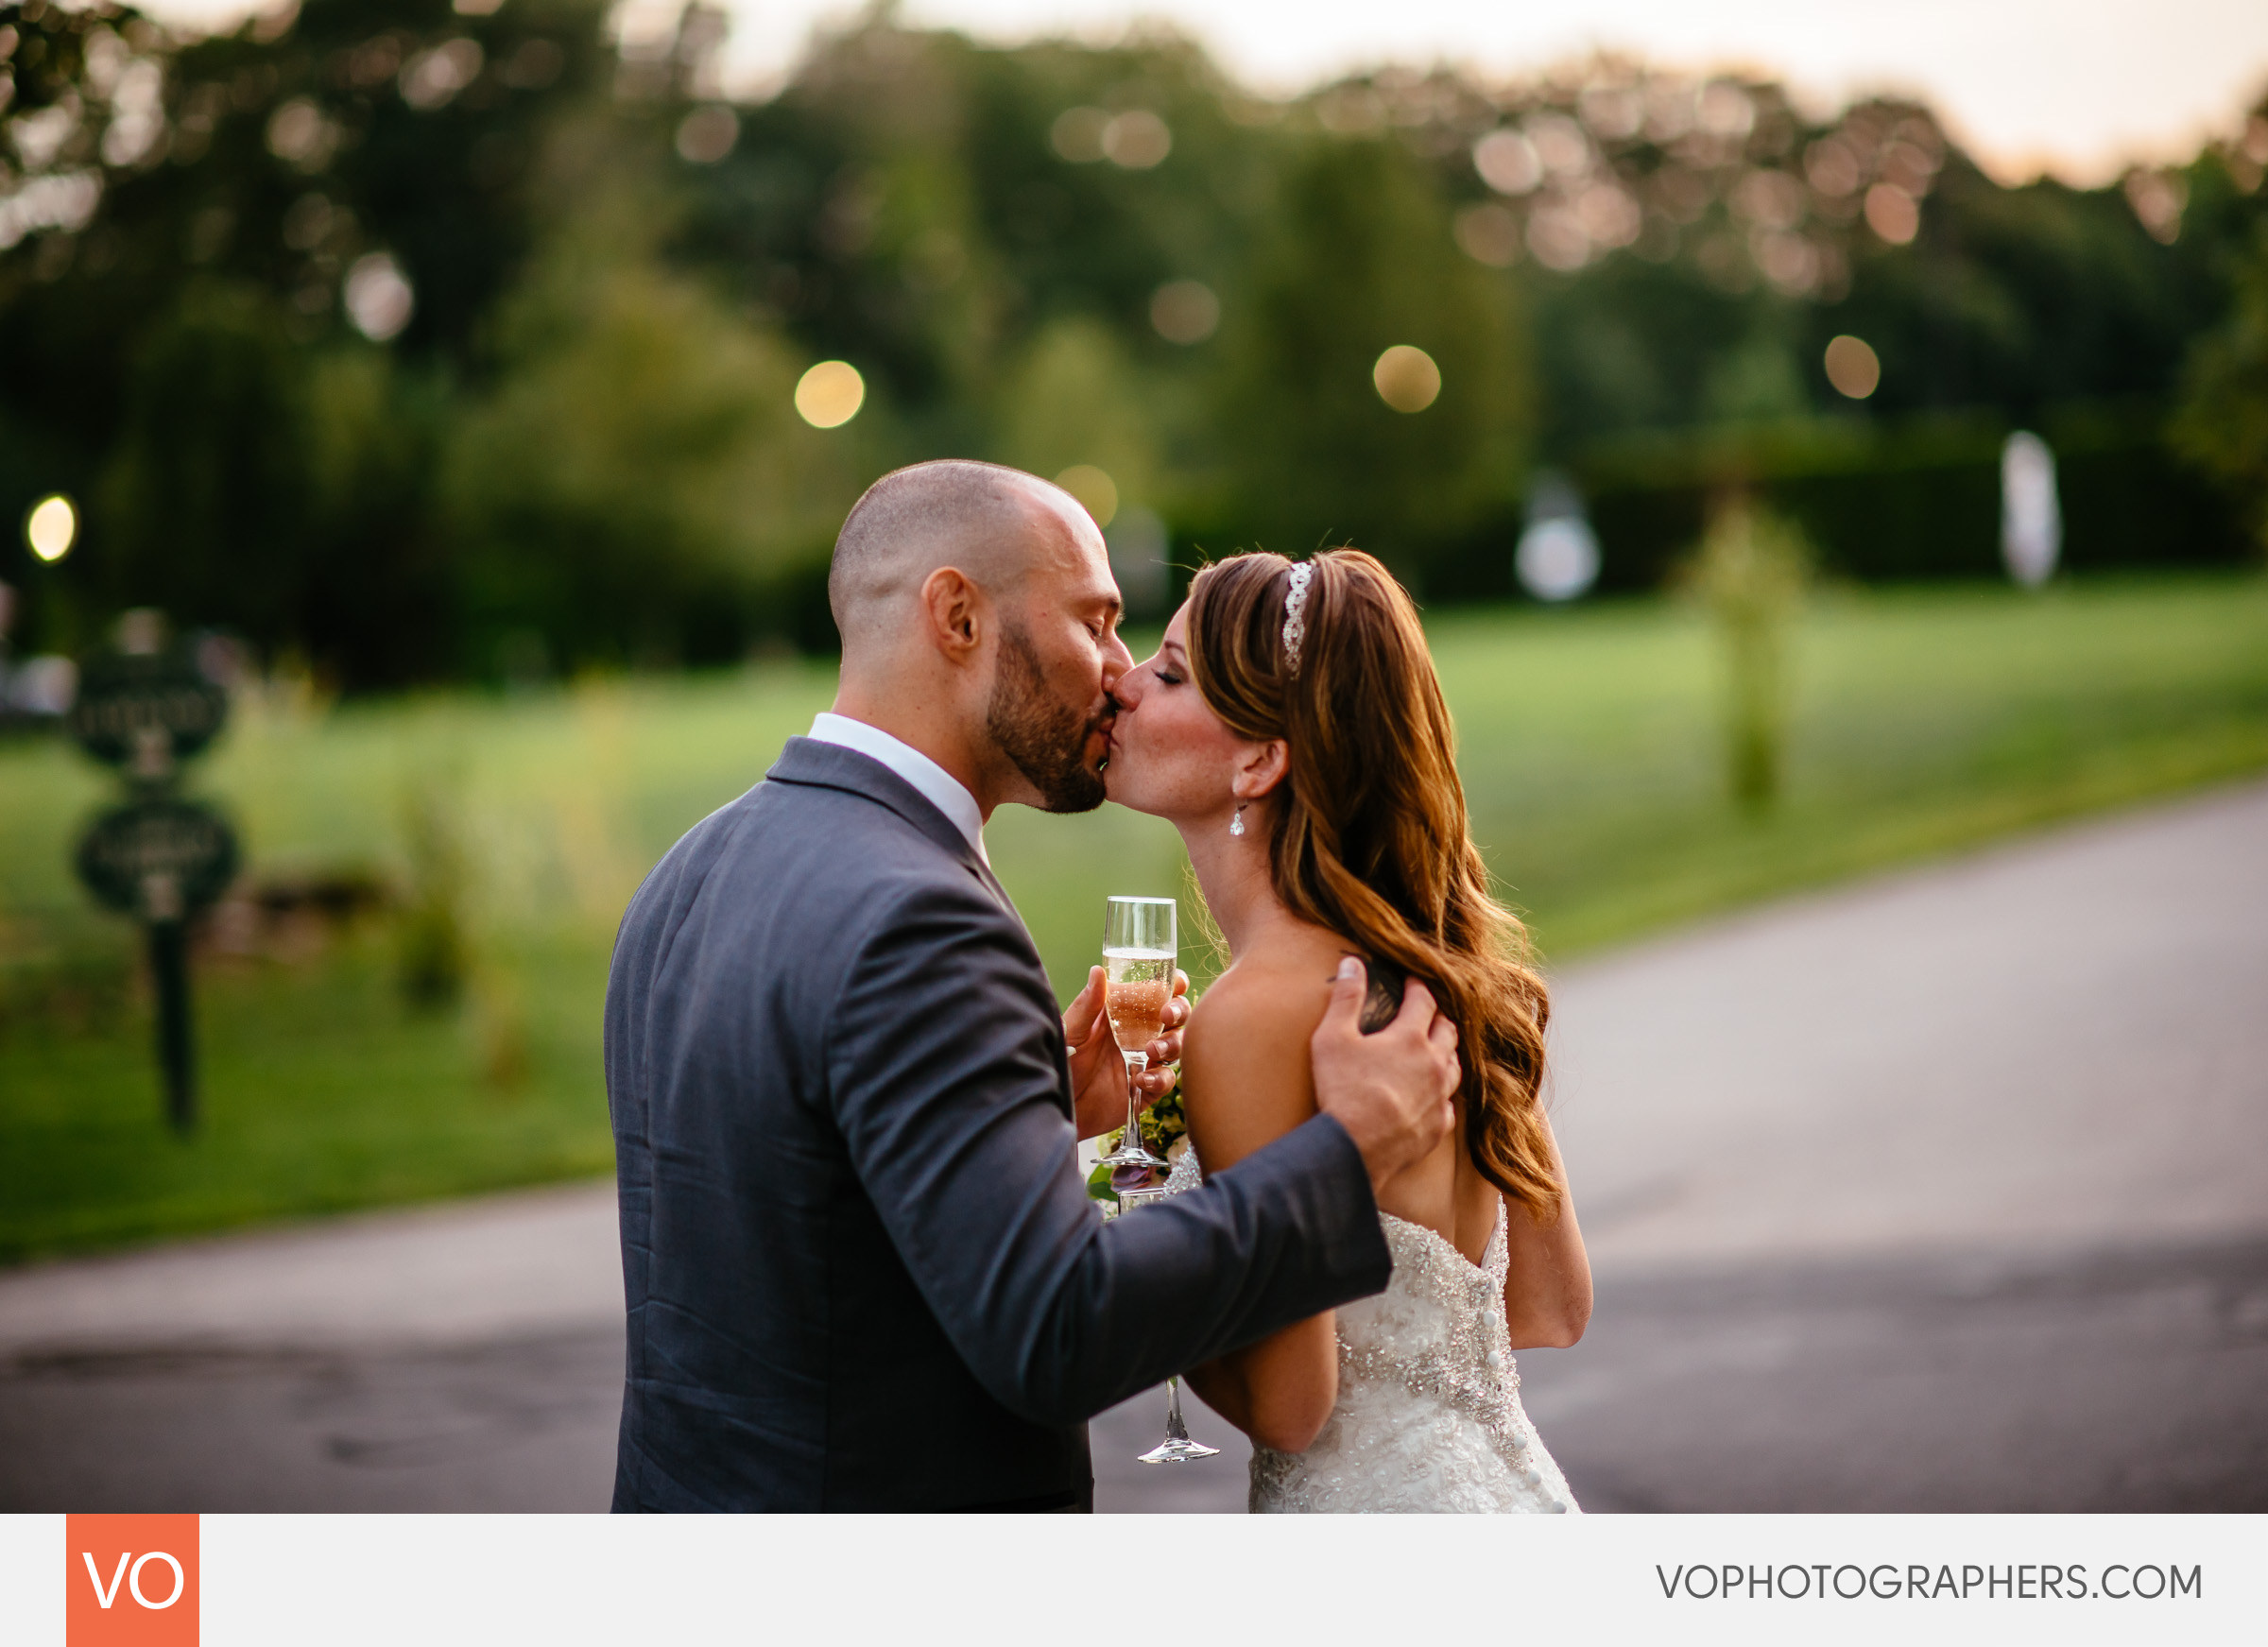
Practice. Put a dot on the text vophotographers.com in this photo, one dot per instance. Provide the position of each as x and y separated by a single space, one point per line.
1916 1580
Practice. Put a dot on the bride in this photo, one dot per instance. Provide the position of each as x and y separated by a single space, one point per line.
1292 728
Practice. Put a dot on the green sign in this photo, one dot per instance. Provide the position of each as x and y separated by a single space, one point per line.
146 709
160 859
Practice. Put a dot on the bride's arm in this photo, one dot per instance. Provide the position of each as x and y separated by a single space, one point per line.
1244 1084
1547 1290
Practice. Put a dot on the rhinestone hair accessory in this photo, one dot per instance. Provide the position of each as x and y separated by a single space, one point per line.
1294 614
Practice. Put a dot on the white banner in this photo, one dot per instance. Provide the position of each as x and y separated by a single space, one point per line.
435 1581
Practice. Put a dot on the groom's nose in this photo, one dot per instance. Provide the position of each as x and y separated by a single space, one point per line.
1117 661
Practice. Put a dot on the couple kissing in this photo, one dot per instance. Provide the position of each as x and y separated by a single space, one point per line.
861 1269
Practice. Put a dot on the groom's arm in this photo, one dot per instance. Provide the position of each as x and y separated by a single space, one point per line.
947 1077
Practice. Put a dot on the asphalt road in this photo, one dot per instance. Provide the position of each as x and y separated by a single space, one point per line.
1947 1191
464 1357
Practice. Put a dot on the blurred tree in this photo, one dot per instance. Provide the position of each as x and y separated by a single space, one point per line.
263 294
1361 260
636 479
1690 265
196 229
2022 297
276 490
1750 572
1074 398
207 495
2223 425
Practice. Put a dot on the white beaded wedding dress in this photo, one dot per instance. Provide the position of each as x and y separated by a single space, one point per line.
1428 1418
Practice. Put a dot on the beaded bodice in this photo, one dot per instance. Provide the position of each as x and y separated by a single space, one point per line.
1428 1417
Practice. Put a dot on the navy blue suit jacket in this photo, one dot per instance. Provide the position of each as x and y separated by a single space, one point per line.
861 1269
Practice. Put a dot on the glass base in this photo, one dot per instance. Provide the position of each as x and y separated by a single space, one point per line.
1134 1156
1176 1449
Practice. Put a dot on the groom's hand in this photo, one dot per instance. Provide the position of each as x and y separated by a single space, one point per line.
1391 1090
1098 1070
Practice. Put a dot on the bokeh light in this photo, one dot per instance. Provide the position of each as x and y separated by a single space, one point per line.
301 135
1558 558
1832 168
379 298
1892 214
1853 367
1489 234
1556 236
707 135
1724 111
1407 379
51 527
830 394
1077 134
2159 198
1136 140
1559 144
433 78
1185 311
1096 491
1507 162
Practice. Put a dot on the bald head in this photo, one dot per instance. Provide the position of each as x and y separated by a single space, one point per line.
992 523
980 627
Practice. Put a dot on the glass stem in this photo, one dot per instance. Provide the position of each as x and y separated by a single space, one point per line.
1175 1428
1136 1064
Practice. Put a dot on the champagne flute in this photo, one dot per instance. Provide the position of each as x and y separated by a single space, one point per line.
1139 948
1177 1448
1139 945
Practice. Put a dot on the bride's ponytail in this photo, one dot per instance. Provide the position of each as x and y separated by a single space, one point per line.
1372 841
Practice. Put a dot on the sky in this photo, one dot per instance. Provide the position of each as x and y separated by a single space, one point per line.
2081 88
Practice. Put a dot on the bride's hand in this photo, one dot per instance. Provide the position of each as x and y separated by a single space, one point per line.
1098 1072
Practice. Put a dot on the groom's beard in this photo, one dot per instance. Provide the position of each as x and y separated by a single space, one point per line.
1045 738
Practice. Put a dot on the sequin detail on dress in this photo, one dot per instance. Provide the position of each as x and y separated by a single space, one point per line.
1429 1417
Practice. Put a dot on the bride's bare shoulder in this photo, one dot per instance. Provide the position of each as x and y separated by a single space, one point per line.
1281 988
1245 1058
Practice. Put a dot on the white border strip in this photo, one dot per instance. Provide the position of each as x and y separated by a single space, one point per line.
284 1581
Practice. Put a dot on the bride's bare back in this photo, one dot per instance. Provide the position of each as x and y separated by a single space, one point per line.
1272 999
1467 1274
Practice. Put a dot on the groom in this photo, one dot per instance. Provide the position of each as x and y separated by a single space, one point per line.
862 1272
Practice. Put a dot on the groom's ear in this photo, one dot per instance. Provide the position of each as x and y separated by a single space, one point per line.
955 610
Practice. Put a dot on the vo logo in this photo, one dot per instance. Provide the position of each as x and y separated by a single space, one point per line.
130 1581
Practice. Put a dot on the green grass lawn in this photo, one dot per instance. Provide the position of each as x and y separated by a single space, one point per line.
1925 721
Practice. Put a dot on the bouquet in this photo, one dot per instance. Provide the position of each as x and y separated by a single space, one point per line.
1165 1131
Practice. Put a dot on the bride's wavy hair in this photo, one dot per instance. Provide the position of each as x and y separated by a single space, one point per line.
1370 838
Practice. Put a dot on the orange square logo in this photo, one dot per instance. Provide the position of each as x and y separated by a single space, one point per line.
130 1581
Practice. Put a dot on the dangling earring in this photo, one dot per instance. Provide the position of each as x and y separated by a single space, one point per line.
1236 824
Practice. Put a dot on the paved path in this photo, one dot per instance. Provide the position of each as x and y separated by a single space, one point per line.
1948 1190
2055 1045
463 1357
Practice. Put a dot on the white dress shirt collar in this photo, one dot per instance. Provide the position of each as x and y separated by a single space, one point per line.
940 788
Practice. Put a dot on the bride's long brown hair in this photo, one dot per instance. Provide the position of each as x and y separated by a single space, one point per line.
1370 840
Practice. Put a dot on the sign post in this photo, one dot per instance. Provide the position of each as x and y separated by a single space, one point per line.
160 857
